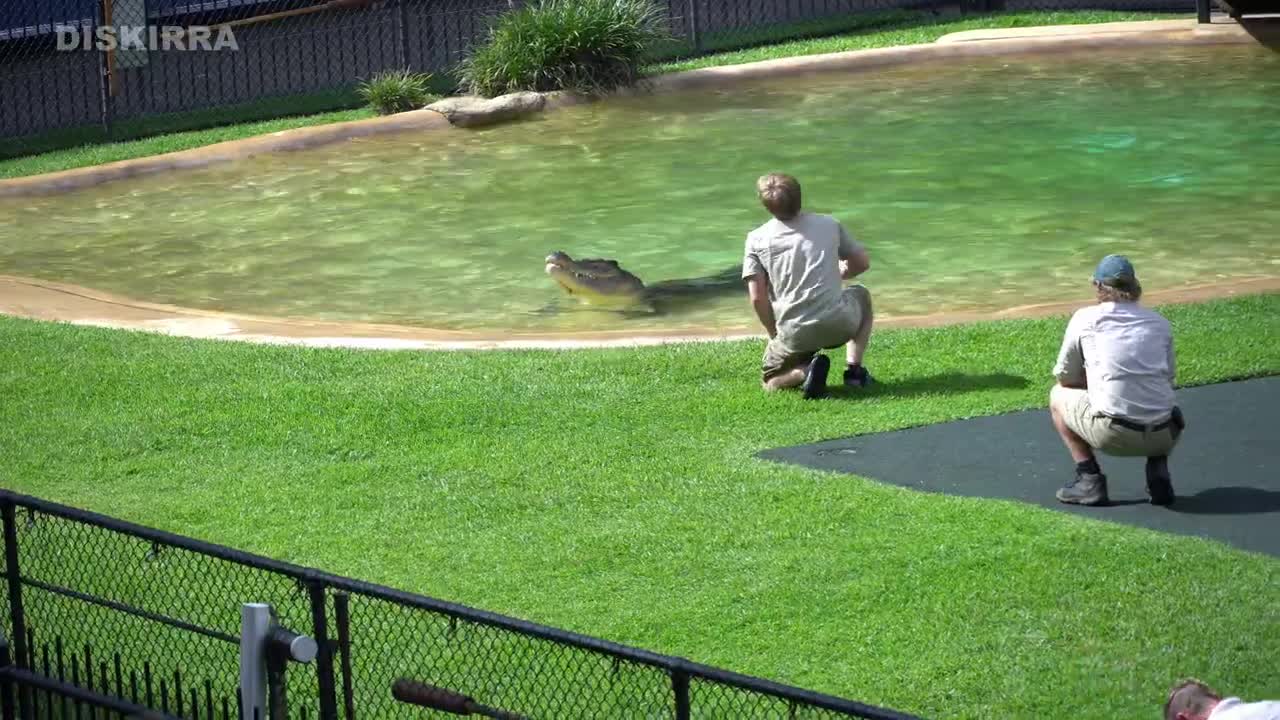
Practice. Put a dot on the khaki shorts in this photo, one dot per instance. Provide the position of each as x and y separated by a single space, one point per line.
1103 434
787 353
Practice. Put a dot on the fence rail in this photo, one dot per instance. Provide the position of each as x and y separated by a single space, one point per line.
143 617
58 74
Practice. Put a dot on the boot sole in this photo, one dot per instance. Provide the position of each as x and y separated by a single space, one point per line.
1091 502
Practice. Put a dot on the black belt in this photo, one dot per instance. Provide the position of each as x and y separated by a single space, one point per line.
1139 426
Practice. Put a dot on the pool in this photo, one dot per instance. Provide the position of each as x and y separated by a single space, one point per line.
977 186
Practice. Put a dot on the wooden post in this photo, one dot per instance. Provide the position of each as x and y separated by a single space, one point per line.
691 26
108 19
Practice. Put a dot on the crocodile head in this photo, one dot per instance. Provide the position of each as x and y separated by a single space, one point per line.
595 280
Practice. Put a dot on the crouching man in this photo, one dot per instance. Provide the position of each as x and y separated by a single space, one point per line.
1193 700
1115 387
794 265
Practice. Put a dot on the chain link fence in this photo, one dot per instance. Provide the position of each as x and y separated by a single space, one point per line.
133 616
103 63
106 612
99 65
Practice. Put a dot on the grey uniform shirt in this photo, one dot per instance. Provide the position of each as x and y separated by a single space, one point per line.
1234 708
801 258
1125 352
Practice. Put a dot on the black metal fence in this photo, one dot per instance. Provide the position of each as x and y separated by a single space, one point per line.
103 63
109 613
60 699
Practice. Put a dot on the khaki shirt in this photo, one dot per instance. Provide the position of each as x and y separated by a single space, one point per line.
801 258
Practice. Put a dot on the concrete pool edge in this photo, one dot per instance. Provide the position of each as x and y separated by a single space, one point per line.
285 140
59 302
1042 39
973 43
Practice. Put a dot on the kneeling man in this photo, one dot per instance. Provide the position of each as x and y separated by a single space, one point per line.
794 265
1115 387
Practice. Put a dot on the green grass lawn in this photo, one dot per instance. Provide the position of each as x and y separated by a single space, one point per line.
614 492
102 153
65 150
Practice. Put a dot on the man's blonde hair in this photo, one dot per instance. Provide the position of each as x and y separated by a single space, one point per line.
780 194
1190 696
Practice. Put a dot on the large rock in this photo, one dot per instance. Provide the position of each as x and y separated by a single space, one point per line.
469 111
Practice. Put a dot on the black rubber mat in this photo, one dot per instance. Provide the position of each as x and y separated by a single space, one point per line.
1226 470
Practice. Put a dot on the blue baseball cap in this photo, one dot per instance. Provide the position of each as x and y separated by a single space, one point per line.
1113 268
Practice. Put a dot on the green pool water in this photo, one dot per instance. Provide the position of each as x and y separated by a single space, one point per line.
976 185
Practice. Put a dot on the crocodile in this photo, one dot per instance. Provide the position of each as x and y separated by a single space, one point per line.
603 283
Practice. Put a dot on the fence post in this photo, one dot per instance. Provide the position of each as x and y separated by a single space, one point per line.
106 70
691 25
324 656
342 616
1202 11
17 615
680 686
266 648
277 698
255 623
6 687
402 35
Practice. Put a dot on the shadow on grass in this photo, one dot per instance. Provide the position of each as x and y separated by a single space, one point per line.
1229 501
941 384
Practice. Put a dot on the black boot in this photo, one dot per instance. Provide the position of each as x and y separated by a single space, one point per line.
815 378
856 376
1085 489
1159 484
